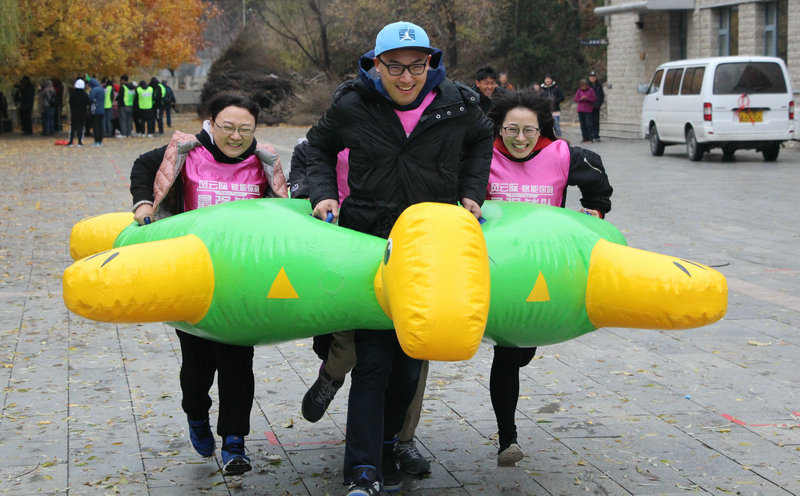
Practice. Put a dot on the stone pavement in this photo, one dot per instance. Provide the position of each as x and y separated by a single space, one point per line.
94 409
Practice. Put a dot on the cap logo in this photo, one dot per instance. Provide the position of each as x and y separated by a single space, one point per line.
407 35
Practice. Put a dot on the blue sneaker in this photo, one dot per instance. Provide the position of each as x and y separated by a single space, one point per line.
201 436
234 461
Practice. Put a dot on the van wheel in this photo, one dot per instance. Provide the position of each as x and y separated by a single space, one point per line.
771 152
694 150
656 145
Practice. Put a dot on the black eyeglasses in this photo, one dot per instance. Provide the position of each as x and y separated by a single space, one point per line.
398 69
227 129
528 132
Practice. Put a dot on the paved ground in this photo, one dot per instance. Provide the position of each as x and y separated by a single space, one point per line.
91 409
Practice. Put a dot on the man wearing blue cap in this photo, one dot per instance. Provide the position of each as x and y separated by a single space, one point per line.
414 136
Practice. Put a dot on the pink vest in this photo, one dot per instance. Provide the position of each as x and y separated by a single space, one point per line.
542 179
207 182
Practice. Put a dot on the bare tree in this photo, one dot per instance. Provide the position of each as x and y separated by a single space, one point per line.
303 23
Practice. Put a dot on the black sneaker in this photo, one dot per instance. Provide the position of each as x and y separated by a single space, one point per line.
410 459
365 482
234 461
392 476
319 396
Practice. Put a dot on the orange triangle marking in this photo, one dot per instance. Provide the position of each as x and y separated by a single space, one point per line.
281 287
539 291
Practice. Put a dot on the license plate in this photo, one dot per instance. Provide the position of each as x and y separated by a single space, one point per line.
750 116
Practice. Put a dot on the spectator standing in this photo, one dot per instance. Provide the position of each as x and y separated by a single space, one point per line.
138 123
27 93
168 103
502 82
551 90
108 105
429 141
125 100
58 118
78 111
600 98
528 154
97 97
158 104
3 112
585 98
145 107
486 86
47 105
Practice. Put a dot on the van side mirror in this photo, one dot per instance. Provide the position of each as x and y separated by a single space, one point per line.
642 88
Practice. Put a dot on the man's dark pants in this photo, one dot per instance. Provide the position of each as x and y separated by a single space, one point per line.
596 123
384 381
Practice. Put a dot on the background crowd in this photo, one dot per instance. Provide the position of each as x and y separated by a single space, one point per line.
127 109
100 108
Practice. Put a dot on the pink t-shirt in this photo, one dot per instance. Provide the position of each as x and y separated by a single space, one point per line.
541 179
410 118
342 169
207 182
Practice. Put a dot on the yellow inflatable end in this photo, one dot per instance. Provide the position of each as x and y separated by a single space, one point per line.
159 281
634 288
97 234
434 282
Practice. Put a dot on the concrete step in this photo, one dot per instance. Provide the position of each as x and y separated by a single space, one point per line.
622 130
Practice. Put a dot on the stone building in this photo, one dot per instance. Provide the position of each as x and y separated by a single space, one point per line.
642 34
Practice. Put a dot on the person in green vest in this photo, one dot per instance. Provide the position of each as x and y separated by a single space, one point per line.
125 97
145 105
108 104
158 104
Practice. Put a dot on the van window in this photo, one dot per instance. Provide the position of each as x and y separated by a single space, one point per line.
693 81
672 82
656 82
749 77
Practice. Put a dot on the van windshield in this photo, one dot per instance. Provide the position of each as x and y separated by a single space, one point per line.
749 77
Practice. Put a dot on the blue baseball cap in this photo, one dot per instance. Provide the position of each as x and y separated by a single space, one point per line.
402 34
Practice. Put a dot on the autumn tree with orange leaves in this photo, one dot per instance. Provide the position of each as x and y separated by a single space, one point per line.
60 38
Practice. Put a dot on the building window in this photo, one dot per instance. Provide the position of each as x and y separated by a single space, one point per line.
728 32
771 29
678 36
775 41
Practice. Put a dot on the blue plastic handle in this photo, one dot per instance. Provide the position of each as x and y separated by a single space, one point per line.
147 220
481 220
329 217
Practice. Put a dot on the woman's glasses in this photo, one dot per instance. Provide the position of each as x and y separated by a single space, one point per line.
227 129
528 132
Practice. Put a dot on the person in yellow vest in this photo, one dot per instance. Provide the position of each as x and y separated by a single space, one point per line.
125 97
108 104
158 104
145 105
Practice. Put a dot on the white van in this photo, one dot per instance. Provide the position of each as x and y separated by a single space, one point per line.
728 102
